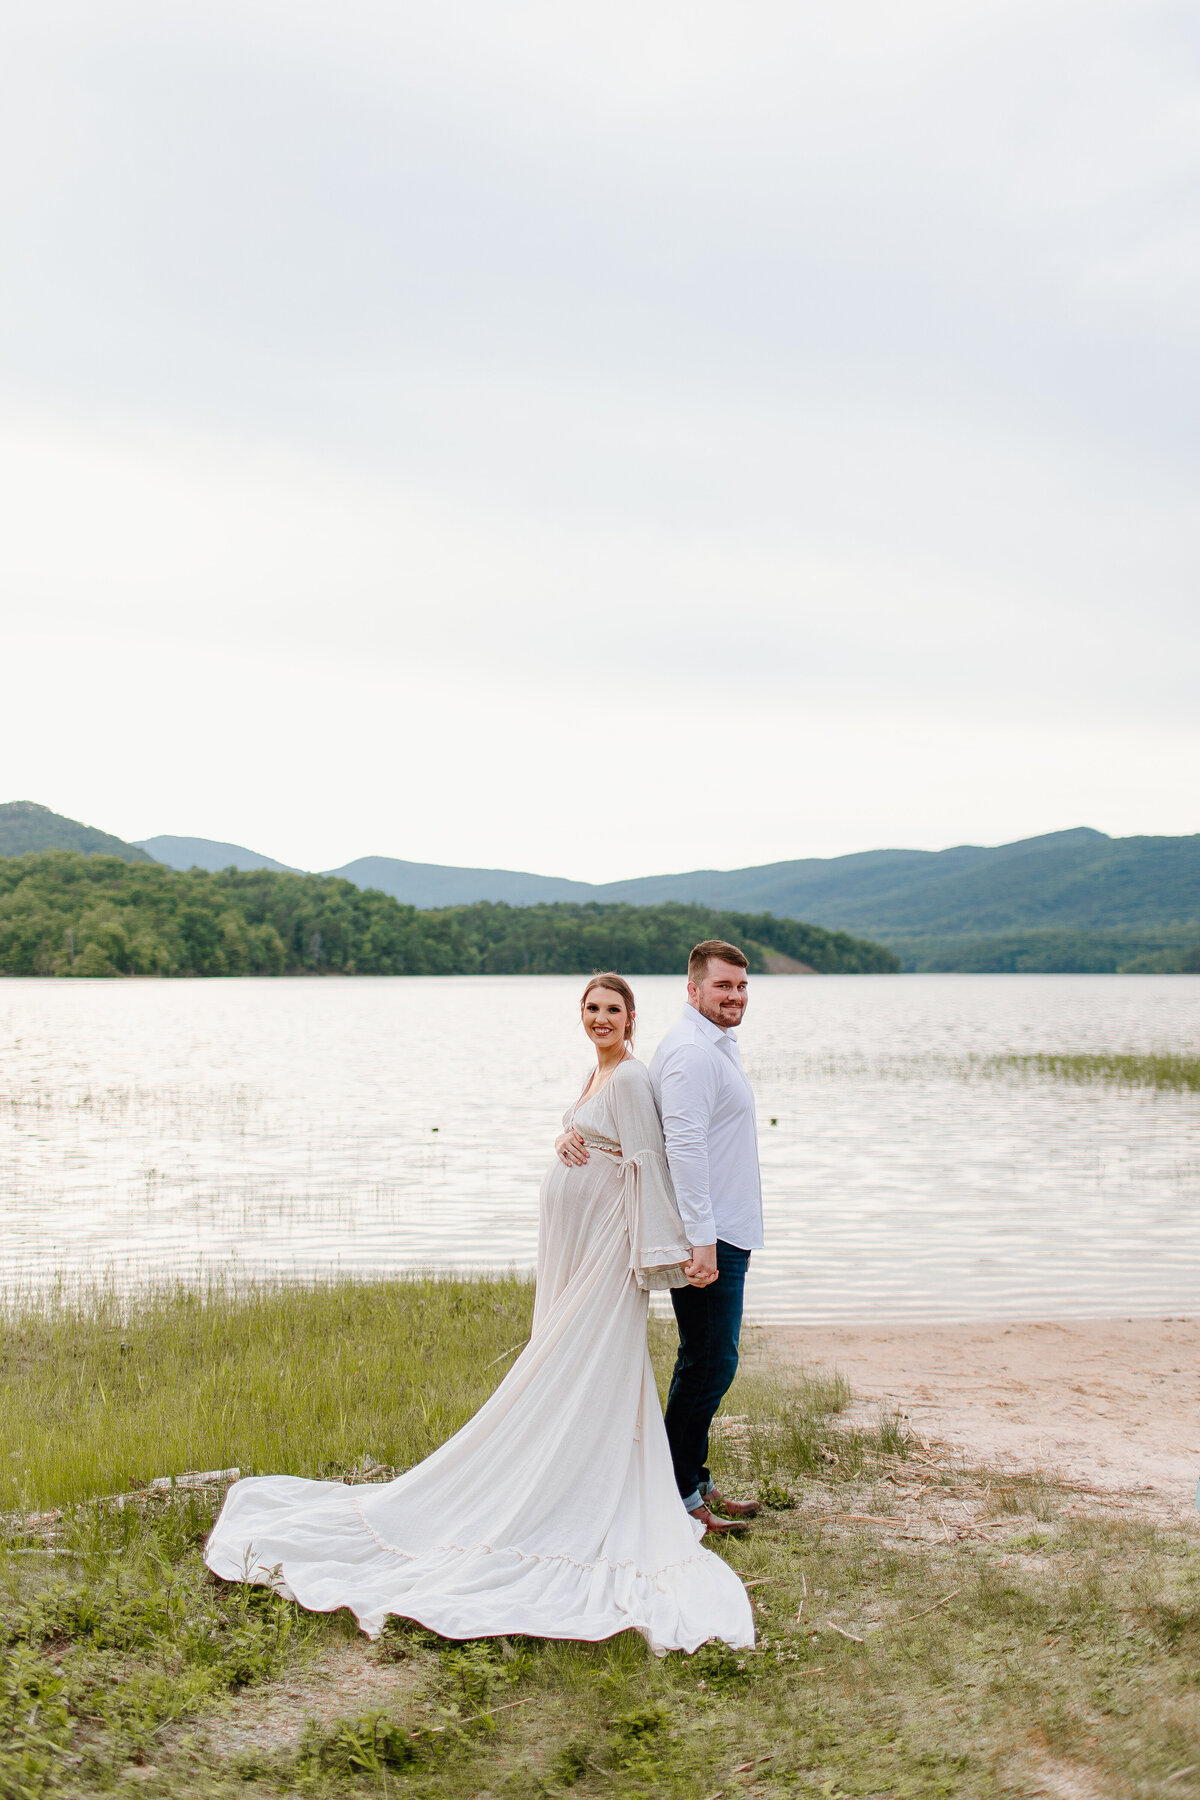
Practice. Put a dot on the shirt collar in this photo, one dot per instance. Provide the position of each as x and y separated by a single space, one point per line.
714 1033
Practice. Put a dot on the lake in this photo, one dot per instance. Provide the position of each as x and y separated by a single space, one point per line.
298 1127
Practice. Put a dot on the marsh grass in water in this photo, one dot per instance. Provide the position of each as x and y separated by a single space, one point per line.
1171 1073
925 1630
1168 1071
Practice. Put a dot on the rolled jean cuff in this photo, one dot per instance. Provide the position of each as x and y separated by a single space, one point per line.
699 1497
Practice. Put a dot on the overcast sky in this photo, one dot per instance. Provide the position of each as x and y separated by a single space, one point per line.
601 440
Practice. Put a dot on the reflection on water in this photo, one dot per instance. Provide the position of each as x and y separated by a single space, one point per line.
299 1126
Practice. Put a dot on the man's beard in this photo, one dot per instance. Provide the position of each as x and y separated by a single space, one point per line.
713 1014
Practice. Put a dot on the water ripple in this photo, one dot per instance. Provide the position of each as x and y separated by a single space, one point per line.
296 1127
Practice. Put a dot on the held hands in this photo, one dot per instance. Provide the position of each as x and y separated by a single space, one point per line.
570 1148
701 1269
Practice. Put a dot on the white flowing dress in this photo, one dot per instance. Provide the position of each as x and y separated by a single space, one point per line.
554 1512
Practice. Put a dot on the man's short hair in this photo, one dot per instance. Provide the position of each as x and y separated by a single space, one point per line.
699 960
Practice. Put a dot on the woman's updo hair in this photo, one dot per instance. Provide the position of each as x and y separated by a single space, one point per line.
619 985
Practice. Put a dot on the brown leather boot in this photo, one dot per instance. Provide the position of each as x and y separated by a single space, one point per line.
733 1509
717 1526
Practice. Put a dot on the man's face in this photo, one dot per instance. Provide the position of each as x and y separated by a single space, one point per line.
722 996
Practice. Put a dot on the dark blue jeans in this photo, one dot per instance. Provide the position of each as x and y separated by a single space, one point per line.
710 1322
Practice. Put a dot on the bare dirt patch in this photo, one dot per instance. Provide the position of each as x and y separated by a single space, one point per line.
344 1681
777 962
1110 1405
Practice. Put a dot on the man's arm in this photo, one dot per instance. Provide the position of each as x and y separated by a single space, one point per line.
687 1095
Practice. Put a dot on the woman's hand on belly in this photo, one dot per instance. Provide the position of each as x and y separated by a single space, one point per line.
570 1149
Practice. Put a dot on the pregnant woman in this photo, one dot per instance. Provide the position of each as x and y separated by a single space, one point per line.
554 1512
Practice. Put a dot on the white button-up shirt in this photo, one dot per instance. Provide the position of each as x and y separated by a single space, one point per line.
707 1109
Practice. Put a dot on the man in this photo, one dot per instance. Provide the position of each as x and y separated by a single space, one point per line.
707 1111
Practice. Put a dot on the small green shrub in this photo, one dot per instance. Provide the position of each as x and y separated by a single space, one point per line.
775 1497
357 1747
717 1667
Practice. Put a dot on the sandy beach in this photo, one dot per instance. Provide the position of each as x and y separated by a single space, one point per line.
1112 1405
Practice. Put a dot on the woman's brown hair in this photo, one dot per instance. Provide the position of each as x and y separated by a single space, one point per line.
619 985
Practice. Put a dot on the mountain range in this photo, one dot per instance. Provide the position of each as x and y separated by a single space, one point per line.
919 902
1072 899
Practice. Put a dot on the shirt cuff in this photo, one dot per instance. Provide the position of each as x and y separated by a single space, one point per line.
700 1230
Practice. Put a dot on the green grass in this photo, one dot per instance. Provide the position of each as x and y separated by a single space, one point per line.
1172 1073
101 1394
1012 1642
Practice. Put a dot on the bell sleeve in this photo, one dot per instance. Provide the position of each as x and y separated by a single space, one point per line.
658 1244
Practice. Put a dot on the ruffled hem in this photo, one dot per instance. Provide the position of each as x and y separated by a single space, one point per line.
655 1280
533 1556
464 1591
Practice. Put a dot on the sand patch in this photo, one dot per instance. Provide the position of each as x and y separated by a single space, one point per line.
1112 1405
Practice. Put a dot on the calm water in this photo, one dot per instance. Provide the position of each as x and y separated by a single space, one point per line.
304 1126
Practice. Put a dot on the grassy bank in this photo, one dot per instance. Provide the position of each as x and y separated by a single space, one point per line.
103 1395
924 1630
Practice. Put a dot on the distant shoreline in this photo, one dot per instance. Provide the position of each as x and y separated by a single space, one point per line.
634 974
63 913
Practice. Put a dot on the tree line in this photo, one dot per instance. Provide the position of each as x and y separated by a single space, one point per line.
1162 951
62 913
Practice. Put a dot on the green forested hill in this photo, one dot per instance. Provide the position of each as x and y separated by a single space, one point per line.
1076 881
1067 901
62 913
1070 900
26 826
1066 881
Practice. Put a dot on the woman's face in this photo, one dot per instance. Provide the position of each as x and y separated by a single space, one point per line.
605 1017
